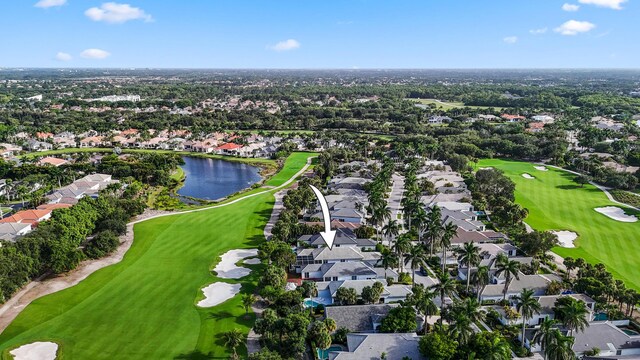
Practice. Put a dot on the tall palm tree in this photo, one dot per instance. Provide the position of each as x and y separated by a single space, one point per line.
232 339
573 316
461 328
510 269
427 307
388 259
527 305
545 334
417 258
469 254
391 229
481 278
560 347
448 232
434 227
401 246
445 286
420 219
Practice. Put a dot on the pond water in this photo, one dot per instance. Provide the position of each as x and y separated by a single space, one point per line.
211 179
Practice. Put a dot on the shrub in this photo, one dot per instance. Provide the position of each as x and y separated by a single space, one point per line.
103 243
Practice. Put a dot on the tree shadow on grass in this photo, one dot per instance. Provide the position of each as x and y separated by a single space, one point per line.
194 355
577 186
221 315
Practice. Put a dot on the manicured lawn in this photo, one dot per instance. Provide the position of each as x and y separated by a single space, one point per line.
447 105
293 163
144 307
556 202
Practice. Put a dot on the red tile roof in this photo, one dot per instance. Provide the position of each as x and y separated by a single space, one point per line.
229 146
52 207
26 216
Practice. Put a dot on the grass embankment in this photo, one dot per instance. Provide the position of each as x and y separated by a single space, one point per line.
144 306
626 197
556 202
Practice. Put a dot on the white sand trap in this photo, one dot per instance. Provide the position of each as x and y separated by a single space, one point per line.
252 261
217 293
227 268
541 168
527 176
486 168
36 351
616 213
566 238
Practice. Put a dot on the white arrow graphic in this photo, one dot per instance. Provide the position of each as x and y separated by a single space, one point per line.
328 235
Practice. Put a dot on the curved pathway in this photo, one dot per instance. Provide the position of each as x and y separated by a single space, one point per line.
41 287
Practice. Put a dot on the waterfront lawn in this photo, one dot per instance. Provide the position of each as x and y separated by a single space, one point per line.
144 306
556 202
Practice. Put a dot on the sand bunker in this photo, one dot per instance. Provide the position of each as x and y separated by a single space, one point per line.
36 351
566 238
252 261
616 213
527 176
227 268
217 293
541 168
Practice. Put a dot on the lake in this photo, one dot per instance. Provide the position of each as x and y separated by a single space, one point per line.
211 179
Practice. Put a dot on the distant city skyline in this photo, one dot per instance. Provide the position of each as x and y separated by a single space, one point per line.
329 34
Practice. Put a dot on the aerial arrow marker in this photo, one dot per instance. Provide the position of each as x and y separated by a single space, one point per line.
328 235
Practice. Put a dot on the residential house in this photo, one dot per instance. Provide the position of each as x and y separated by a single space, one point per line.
327 290
52 161
359 318
611 338
35 145
538 283
11 231
371 346
28 217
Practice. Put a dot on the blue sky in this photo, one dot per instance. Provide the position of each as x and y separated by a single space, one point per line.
321 34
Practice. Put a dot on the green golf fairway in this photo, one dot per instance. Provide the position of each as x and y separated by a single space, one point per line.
556 202
144 306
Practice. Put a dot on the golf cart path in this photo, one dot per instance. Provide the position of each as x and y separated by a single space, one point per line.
41 287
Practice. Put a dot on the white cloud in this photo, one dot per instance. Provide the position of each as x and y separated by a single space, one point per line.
115 13
285 45
49 3
538 31
62 56
612 4
570 7
574 27
510 39
94 54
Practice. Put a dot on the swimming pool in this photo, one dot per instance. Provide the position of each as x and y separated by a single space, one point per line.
324 354
310 303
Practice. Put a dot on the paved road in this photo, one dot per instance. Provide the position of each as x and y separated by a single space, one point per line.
275 213
395 198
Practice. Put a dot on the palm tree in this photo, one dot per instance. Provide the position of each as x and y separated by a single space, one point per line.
469 254
232 339
481 279
472 309
391 230
461 328
545 334
401 246
416 258
448 232
389 259
527 305
247 301
497 348
427 307
510 268
560 347
434 227
573 316
445 286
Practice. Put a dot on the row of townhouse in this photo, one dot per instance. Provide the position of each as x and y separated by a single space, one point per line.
22 222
